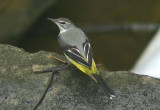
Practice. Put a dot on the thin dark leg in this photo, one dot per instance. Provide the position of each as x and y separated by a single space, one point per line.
60 60
45 91
55 69
68 66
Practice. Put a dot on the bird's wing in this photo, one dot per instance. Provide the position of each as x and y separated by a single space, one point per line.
74 53
88 52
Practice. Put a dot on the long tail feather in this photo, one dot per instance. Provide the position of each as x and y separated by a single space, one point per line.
104 86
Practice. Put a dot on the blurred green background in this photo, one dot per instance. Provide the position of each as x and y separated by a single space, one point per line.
24 24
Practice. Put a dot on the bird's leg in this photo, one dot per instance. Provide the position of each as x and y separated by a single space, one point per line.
60 68
65 62
60 60
45 91
55 69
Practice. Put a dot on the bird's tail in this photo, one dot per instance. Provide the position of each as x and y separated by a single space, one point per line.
104 86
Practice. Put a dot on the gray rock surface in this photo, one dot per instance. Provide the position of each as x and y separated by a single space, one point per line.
20 88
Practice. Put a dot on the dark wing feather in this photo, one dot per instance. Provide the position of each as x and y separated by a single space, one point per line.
75 55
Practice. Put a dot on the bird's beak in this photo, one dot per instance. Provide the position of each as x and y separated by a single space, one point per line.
53 20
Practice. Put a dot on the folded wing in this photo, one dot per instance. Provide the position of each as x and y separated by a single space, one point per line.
74 53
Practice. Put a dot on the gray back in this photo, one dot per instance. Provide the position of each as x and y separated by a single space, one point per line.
72 37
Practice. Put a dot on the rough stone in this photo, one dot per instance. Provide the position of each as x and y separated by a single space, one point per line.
20 87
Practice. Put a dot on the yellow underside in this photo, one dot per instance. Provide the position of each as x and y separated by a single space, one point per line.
85 69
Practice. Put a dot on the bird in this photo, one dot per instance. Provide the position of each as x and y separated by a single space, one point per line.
77 49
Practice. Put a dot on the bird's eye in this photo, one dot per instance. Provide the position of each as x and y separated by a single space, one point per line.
62 22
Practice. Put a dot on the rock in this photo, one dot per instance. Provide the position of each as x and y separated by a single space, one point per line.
17 16
21 88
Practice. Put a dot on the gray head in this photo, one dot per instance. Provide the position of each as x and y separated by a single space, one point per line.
63 23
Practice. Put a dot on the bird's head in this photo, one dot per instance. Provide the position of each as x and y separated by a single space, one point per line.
63 23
